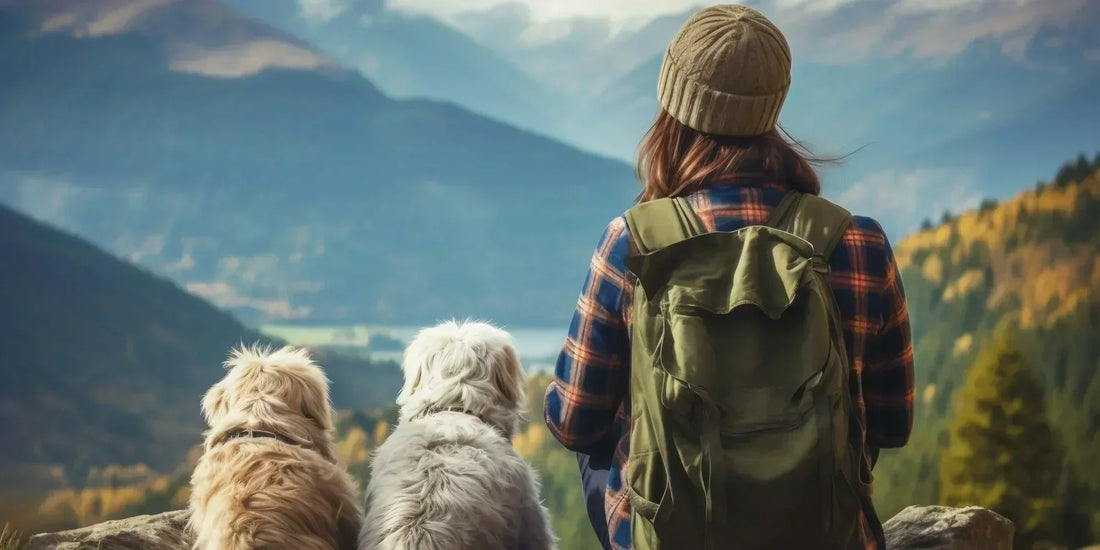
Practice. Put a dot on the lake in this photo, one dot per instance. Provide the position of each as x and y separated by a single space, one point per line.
538 347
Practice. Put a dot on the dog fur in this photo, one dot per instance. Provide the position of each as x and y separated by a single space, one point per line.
448 477
261 492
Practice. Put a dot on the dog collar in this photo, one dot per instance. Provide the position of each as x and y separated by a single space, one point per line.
460 410
252 433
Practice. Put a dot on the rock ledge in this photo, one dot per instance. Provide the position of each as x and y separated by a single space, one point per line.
943 528
167 531
915 528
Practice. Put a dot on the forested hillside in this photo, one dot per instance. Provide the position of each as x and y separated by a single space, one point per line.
102 366
1030 264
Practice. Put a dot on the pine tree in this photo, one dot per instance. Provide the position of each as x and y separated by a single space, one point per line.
1002 453
1083 167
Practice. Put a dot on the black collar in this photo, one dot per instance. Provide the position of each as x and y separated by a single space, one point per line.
240 433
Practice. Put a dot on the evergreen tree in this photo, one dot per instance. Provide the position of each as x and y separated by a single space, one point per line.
1002 453
1083 167
1074 514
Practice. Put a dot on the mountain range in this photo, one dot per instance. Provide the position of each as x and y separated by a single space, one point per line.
206 119
411 55
292 193
105 363
949 128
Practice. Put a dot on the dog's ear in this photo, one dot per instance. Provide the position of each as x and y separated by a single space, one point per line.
412 380
508 376
315 404
214 404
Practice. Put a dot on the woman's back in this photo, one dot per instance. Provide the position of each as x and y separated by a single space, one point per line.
863 277
722 84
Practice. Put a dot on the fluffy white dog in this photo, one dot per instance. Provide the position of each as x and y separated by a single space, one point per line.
267 477
448 478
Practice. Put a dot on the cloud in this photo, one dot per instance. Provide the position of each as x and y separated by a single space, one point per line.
322 10
225 296
542 11
836 31
50 199
920 28
900 200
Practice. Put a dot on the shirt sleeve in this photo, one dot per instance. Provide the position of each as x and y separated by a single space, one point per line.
591 371
887 377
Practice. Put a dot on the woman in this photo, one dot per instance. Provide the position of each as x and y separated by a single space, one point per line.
716 143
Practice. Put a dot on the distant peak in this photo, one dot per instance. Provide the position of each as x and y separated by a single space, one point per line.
201 36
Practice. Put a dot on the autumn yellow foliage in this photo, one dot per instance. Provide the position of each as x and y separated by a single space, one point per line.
970 280
354 447
1049 278
530 441
95 504
933 269
963 344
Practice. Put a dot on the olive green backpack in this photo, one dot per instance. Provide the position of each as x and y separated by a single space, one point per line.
740 406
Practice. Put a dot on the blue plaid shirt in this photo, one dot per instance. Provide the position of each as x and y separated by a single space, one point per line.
587 405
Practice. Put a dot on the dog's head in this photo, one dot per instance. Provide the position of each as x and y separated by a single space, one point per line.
470 365
280 390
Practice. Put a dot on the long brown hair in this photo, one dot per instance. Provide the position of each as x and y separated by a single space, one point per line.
674 160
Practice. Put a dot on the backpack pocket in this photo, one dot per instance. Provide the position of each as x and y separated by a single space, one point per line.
647 486
741 361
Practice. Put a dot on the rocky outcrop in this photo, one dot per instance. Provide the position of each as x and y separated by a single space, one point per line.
915 528
943 528
167 531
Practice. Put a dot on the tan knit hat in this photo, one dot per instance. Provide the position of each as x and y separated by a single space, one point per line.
727 72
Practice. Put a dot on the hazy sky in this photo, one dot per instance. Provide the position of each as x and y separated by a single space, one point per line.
837 27
636 10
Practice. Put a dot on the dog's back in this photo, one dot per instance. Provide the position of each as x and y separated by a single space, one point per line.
449 481
268 477
261 493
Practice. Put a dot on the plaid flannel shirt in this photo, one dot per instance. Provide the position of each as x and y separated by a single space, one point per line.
587 406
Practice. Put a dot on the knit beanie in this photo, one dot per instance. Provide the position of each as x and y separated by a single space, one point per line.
726 72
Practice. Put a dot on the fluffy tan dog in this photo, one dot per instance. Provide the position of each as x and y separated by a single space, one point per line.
267 477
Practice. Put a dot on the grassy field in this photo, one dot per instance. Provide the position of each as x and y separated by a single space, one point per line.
9 540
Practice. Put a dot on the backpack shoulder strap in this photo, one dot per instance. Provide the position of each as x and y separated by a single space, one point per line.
813 218
659 223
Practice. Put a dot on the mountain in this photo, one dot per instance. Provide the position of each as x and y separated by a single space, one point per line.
105 363
296 194
1031 264
198 36
417 56
571 53
952 127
